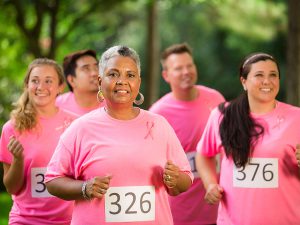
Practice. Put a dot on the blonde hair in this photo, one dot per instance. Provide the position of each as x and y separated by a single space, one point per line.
24 114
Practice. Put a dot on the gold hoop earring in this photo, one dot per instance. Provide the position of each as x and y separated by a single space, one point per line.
100 96
139 101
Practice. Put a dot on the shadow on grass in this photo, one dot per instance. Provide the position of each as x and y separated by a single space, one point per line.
6 203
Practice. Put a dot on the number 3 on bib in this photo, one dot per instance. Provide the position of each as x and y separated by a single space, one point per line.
128 204
259 173
38 188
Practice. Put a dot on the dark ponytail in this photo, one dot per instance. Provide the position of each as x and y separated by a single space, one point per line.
239 132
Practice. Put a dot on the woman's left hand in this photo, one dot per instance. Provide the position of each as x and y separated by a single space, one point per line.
171 174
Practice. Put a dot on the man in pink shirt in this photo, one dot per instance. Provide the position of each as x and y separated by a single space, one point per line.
81 72
187 109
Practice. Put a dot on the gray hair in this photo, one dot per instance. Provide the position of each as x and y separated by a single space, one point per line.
118 50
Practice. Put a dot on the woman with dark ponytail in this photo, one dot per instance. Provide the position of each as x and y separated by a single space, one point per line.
257 137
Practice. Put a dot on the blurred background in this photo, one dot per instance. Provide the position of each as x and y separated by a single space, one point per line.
220 32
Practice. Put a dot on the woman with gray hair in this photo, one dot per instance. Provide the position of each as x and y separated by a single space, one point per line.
119 162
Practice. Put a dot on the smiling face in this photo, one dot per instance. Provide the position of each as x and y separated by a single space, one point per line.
262 83
180 71
43 86
121 81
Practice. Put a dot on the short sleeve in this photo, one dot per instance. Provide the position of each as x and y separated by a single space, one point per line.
60 164
210 142
7 132
175 152
62 161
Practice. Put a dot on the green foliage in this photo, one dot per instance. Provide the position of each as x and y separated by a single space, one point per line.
92 26
6 203
13 61
221 33
251 21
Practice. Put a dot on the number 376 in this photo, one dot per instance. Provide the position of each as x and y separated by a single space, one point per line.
259 173
267 174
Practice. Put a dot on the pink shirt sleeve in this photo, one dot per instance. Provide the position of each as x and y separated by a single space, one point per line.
60 164
62 161
210 143
7 132
176 153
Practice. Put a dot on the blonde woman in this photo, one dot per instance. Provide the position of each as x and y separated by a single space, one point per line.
27 143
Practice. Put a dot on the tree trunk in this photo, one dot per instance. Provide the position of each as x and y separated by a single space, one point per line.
152 75
293 54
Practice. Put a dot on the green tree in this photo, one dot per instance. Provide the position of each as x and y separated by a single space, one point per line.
51 29
221 33
293 53
45 25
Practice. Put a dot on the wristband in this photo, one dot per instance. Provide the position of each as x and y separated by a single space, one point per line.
83 190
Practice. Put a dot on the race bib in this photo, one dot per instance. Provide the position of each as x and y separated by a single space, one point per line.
130 204
38 188
191 157
192 161
259 173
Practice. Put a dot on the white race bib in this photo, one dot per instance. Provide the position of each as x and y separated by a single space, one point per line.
38 188
191 157
130 204
259 173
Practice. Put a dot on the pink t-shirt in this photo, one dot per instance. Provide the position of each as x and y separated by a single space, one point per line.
266 191
33 204
134 152
188 119
67 101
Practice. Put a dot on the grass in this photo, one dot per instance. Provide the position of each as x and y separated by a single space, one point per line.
6 203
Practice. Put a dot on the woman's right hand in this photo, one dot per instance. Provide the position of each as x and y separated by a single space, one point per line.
214 193
13 177
16 148
97 186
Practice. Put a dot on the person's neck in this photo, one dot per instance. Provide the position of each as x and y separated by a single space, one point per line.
122 113
262 108
186 95
86 99
47 111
